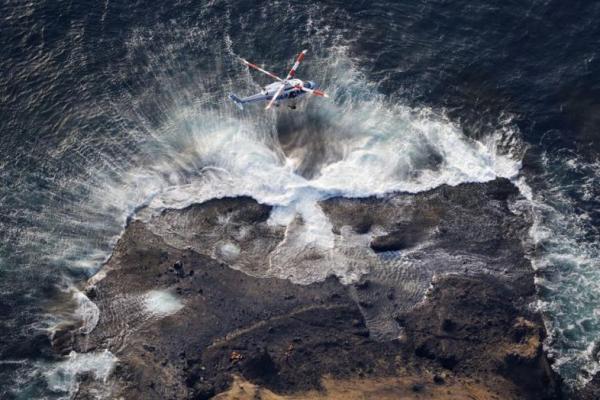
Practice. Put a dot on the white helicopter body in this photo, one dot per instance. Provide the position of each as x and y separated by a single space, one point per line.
283 89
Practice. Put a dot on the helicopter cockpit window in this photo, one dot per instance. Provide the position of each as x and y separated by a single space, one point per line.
306 85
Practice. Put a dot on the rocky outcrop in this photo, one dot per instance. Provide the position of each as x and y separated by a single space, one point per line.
471 325
441 313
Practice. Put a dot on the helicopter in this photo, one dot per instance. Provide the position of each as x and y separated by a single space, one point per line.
289 88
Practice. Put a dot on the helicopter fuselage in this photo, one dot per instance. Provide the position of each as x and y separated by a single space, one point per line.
291 91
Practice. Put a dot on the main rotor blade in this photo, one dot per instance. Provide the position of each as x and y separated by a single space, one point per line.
315 92
298 60
256 67
277 93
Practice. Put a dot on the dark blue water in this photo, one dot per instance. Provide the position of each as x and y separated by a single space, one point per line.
85 86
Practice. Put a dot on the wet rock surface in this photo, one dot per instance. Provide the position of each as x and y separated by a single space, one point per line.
441 313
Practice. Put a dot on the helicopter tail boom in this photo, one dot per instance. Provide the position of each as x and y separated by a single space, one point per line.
238 102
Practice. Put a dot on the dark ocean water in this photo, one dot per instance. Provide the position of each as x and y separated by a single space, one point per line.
90 90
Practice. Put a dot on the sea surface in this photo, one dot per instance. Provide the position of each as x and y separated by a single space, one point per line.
113 110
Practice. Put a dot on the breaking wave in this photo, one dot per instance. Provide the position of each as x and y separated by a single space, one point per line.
359 144
565 254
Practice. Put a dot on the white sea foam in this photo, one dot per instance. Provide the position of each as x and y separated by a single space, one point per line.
228 251
86 311
385 148
382 147
565 255
372 146
62 376
161 303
